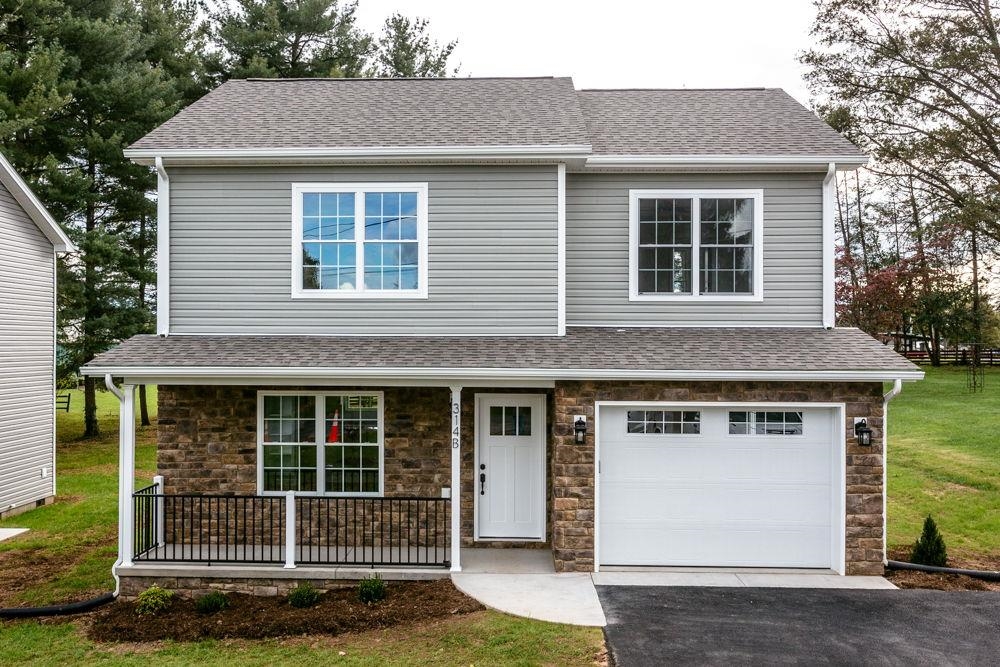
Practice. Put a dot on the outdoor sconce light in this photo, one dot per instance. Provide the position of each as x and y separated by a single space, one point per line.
580 429
862 433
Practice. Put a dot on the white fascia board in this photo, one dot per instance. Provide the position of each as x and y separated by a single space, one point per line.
526 152
844 162
34 208
211 373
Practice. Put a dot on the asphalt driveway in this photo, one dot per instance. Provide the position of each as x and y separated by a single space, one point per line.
756 626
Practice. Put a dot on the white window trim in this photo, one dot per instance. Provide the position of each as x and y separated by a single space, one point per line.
320 397
298 189
758 244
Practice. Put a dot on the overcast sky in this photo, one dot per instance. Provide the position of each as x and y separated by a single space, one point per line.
621 43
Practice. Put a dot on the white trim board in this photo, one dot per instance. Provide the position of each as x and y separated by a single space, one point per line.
21 193
839 506
342 375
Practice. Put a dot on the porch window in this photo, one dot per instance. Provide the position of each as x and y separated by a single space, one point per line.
327 443
359 240
695 244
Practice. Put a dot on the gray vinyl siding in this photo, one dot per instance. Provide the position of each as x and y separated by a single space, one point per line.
597 250
491 253
27 415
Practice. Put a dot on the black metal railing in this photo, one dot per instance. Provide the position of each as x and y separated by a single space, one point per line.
373 531
147 518
403 531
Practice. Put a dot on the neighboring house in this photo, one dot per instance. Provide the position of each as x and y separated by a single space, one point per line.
447 313
29 242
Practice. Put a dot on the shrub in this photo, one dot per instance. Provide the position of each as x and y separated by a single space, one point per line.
153 600
371 589
304 595
929 548
211 602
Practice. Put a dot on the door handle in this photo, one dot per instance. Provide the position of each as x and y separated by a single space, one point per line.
482 484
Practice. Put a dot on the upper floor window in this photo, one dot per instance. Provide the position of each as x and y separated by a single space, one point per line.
690 244
359 240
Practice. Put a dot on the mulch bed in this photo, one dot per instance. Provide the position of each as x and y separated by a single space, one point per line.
249 617
945 582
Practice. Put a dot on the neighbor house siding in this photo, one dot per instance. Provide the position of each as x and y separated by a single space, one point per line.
597 253
27 290
492 253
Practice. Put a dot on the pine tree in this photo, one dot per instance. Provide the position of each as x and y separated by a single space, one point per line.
407 50
929 549
115 70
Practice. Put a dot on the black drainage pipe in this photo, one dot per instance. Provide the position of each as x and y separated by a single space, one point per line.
57 609
985 575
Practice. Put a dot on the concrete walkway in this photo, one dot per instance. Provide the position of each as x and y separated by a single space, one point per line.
7 533
524 582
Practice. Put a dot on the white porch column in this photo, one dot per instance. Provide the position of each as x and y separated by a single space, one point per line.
456 478
126 470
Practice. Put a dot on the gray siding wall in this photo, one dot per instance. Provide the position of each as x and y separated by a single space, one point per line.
27 340
492 253
597 253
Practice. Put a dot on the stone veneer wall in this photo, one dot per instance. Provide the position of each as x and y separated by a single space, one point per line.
207 443
573 465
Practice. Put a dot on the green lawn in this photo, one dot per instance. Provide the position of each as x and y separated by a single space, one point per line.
68 553
74 538
944 459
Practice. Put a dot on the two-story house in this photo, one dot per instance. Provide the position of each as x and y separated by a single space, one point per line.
399 318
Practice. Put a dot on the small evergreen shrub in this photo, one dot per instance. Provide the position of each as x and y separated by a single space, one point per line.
304 595
929 548
371 589
211 602
153 600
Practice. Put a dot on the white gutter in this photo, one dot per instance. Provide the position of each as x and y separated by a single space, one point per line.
505 152
897 387
162 248
561 249
829 247
846 161
109 383
388 373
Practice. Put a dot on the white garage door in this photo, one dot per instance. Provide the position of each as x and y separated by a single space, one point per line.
718 486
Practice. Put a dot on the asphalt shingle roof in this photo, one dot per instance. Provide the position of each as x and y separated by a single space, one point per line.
634 349
489 112
748 121
353 113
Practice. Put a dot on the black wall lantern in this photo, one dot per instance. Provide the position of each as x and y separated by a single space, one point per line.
580 429
863 433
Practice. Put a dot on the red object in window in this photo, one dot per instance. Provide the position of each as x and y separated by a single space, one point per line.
334 434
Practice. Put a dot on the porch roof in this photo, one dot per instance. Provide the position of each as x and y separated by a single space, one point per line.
726 353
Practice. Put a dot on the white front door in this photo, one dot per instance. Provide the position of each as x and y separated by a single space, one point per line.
510 466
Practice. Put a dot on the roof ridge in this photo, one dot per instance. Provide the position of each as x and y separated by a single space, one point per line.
402 78
621 90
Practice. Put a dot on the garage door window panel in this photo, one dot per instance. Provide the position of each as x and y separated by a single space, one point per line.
664 422
760 422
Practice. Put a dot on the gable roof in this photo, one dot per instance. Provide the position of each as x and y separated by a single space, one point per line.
359 113
736 121
494 118
583 353
29 202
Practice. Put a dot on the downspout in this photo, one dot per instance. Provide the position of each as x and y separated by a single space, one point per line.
829 244
897 387
162 249
109 383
